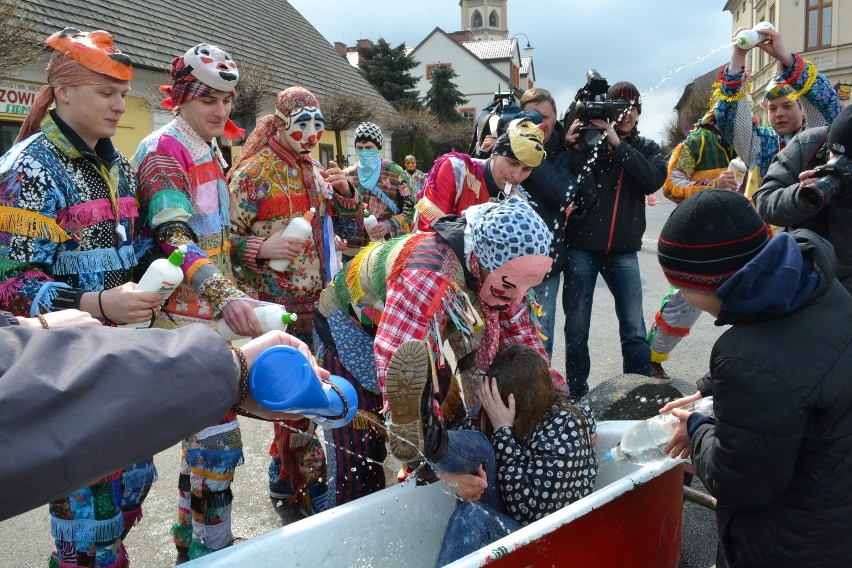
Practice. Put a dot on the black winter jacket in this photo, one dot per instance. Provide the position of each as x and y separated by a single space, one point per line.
778 200
779 458
551 187
611 201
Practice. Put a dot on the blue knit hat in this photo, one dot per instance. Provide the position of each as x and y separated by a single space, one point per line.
506 231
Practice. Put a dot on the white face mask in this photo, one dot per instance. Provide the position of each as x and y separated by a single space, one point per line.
303 130
212 66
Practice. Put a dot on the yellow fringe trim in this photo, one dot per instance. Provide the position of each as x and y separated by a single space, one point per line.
429 209
31 224
452 401
353 275
739 96
365 420
753 182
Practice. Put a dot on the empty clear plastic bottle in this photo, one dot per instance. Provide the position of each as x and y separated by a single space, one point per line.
644 442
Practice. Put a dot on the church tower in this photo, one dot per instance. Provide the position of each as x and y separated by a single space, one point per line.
485 19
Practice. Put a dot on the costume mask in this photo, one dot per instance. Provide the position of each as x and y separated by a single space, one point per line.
509 283
212 66
303 129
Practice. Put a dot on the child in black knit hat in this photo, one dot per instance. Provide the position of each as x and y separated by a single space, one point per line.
776 456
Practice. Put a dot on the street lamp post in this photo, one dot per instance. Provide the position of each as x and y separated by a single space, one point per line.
528 48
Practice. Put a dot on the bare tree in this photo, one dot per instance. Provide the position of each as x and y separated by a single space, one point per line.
410 128
692 106
20 41
256 84
343 111
452 136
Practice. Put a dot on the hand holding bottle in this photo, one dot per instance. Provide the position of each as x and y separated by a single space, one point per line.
122 304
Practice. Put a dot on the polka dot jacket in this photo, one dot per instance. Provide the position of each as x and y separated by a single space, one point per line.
556 468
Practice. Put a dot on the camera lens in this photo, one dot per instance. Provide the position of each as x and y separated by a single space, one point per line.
821 191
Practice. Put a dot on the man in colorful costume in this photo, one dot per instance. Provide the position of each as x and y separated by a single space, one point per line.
429 286
797 97
274 181
66 220
699 162
383 187
457 181
184 201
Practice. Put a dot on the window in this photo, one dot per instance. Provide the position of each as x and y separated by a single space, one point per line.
818 24
476 19
8 133
468 113
516 76
326 154
431 66
771 18
493 19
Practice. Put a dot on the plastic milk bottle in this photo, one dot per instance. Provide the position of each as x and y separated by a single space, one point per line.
163 276
270 318
300 228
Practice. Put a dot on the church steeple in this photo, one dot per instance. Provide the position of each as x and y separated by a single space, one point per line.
485 19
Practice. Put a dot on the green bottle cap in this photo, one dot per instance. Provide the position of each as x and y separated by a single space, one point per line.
288 318
177 257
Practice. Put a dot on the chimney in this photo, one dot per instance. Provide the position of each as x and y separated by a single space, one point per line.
465 35
341 48
365 43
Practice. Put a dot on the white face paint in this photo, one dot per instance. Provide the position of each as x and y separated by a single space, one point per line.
212 66
303 129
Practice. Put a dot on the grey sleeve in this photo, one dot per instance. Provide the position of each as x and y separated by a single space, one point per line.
778 200
80 403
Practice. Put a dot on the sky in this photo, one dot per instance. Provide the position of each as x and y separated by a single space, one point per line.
658 45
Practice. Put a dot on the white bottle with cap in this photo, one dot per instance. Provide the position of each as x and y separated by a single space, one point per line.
163 276
746 39
739 168
370 221
300 228
270 318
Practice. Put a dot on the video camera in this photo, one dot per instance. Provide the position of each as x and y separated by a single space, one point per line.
499 112
590 104
835 177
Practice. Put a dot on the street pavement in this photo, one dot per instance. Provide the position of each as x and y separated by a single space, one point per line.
25 539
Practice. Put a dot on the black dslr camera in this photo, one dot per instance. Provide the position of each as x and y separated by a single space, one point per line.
501 110
834 177
590 104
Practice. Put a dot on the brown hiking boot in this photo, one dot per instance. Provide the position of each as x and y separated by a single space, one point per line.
409 389
658 372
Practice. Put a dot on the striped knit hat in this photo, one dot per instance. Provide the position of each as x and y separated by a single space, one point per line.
369 132
708 238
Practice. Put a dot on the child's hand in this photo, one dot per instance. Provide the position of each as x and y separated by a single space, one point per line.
469 487
499 414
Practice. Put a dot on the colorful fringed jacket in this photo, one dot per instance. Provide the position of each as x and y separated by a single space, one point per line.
390 200
758 144
267 191
416 287
66 220
456 181
183 200
696 163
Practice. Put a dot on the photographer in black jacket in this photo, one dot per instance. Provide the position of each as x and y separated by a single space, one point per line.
605 232
799 191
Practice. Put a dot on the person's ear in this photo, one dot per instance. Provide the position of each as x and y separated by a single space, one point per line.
60 93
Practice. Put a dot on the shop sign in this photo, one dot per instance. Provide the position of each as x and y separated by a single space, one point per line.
17 97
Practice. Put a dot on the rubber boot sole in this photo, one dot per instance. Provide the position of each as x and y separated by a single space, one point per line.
407 374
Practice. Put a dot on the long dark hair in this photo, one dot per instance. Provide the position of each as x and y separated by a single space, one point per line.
522 371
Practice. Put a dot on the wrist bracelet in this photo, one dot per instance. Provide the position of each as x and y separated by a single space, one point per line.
107 321
243 383
43 321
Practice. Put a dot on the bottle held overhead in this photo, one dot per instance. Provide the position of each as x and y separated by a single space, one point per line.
300 228
747 39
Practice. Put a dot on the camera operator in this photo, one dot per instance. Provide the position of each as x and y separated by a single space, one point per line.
551 187
613 177
801 191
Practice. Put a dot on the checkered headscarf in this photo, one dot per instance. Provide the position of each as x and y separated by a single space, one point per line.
506 231
369 132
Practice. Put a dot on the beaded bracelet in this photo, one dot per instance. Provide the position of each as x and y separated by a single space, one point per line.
43 321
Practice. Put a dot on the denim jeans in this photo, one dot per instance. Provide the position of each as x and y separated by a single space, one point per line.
547 293
472 525
621 274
